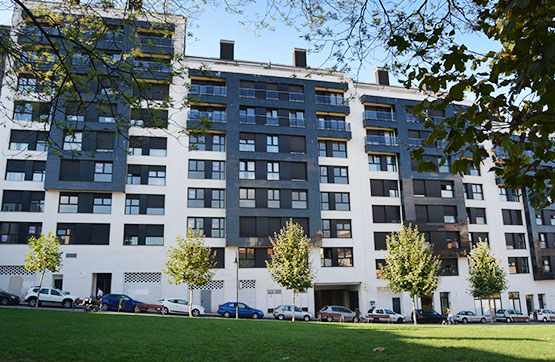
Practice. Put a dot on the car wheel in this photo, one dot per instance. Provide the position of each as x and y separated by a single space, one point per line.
545 319
255 316
329 318
4 301
164 311
281 317
306 318
67 303
464 320
32 302
227 314
196 312
508 320
400 320
103 307
137 309
483 320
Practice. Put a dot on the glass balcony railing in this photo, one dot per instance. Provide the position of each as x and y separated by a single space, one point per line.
247 92
382 140
379 116
153 66
411 118
247 118
296 122
156 41
334 125
219 117
210 90
416 142
331 100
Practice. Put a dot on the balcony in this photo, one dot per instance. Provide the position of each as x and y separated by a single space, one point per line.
297 122
196 115
382 140
151 66
335 125
379 116
209 90
411 118
331 100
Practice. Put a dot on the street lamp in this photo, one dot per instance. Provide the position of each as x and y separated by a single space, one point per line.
237 286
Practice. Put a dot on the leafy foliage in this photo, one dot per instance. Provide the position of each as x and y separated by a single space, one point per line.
290 266
44 254
410 265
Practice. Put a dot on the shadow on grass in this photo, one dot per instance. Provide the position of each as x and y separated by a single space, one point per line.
56 335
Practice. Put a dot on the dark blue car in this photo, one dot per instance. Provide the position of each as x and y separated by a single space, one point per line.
228 310
120 301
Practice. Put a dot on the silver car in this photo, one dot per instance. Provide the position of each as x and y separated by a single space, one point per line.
337 313
285 312
467 316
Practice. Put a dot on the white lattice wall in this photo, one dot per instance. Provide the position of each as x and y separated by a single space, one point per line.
145 287
16 279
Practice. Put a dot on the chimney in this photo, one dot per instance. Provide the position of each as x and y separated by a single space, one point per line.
135 4
382 76
226 49
299 58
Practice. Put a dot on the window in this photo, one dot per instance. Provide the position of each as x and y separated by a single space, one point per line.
83 233
27 84
68 203
197 142
475 238
326 228
452 240
218 170
246 143
340 175
273 199
298 171
196 223
103 172
342 201
542 240
512 217
246 170
324 200
246 258
28 201
154 235
445 168
473 192
272 118
374 163
448 267
218 143
508 195
218 199
272 171
105 141
326 255
132 204
298 200
336 228
66 235
476 215
472 171
546 264
218 228
23 111
384 163
332 149
514 300
380 240
323 174
385 188
196 169
518 265
247 226
386 214
296 119
102 204
195 198
247 115
336 257
447 189
515 241
345 256
155 204
73 141
343 228
247 198
449 214
539 218
157 176
272 144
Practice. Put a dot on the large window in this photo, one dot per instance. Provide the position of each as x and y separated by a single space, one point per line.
218 170
336 257
246 170
386 214
336 228
512 217
157 176
247 197
195 198
218 199
272 144
102 204
476 215
103 172
246 142
473 192
73 141
518 265
299 199
385 163
141 234
273 199
332 149
273 171
254 257
197 169
515 241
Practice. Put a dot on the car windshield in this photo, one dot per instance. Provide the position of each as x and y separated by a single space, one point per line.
389 311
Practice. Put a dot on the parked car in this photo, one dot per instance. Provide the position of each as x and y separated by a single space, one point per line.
428 316
228 310
179 306
337 313
49 296
510 315
545 315
112 302
384 315
467 316
8 298
286 312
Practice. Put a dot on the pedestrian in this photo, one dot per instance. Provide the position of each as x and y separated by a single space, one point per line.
450 318
99 293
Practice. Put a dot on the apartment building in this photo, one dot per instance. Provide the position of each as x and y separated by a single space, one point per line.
286 142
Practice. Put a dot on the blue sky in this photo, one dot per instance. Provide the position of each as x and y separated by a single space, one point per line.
274 46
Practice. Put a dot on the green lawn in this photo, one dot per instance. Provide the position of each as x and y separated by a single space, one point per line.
58 335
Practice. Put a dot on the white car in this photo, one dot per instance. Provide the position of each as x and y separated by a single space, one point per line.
49 296
467 316
383 314
179 306
545 315
285 312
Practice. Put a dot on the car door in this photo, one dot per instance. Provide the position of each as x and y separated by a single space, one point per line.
298 313
173 305
287 312
45 295
56 296
244 310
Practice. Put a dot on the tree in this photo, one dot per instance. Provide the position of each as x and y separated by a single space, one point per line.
423 43
190 262
485 274
290 266
410 265
44 255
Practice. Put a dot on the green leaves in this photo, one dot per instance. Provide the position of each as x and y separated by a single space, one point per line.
485 275
44 254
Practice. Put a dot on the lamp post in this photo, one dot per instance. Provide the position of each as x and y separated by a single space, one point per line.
237 286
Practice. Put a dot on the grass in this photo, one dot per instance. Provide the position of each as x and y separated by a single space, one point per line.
59 335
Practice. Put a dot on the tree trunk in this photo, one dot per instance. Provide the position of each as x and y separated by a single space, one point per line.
293 318
413 310
190 301
40 287
491 311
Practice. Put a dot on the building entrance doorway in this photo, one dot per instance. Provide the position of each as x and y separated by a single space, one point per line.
344 295
427 302
102 281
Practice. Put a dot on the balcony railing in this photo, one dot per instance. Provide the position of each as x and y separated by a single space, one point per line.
155 41
247 118
271 94
296 122
210 90
379 116
411 118
153 66
333 101
382 140
334 125
219 117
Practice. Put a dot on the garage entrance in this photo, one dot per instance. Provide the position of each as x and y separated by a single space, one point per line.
336 294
